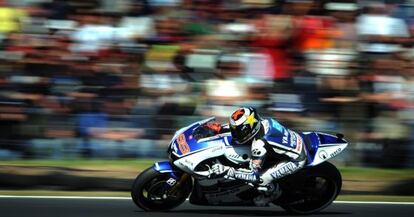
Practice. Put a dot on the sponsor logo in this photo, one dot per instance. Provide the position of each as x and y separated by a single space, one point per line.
335 152
237 157
266 125
189 162
251 120
182 144
218 143
293 139
284 170
285 137
245 176
277 126
296 141
323 155
237 114
171 182
174 147
185 165
216 149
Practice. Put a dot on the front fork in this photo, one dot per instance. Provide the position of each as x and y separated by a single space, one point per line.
173 184
178 184
175 180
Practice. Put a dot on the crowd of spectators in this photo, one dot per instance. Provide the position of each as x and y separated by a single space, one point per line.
104 78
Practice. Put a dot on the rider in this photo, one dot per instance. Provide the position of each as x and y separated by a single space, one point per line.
269 140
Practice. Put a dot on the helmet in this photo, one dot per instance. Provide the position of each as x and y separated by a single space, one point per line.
244 124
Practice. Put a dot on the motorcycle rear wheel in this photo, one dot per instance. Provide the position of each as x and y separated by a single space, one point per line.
149 191
320 187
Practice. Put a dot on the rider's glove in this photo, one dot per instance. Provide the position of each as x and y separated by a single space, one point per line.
219 169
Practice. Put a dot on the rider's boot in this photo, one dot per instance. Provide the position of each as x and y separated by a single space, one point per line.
268 194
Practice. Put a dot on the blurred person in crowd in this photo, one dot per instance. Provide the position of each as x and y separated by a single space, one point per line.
58 9
185 71
10 19
95 33
407 110
12 117
379 33
200 21
227 89
333 51
384 92
162 81
306 83
272 37
89 115
138 23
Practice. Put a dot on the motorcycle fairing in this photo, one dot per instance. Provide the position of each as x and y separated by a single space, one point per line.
164 167
321 146
213 148
183 143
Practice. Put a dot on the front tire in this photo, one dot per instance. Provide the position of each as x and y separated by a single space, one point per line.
319 187
149 191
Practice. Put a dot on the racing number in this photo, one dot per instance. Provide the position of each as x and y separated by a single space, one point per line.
182 144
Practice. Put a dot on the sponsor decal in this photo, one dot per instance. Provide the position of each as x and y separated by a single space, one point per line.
335 152
182 144
184 163
284 170
189 162
217 148
171 181
277 126
237 157
248 176
237 114
245 176
293 140
174 147
296 141
323 155
285 137
251 120
265 123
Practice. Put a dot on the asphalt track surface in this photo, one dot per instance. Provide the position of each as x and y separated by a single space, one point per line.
119 207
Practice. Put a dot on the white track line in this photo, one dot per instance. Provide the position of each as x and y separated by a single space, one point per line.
374 202
129 198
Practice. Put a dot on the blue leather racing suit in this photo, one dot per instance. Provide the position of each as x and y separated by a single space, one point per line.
276 141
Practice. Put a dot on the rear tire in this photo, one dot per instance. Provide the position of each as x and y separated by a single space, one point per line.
149 192
319 187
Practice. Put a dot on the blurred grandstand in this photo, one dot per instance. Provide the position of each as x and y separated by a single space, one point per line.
115 79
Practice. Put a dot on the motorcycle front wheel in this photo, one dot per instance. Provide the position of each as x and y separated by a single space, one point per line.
150 191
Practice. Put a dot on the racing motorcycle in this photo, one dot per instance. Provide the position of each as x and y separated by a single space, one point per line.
168 184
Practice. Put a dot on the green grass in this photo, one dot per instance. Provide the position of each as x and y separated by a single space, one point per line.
379 174
386 198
